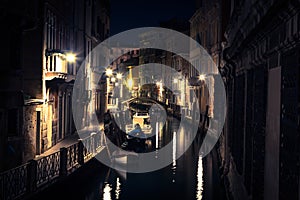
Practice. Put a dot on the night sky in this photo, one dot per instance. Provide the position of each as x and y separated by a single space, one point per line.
130 14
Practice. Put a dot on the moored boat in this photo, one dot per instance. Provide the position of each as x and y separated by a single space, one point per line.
143 119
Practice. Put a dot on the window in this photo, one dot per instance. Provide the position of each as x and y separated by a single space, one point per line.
51 31
291 27
198 38
295 22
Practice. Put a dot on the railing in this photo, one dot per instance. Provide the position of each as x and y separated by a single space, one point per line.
56 62
88 148
35 174
48 168
98 143
56 65
72 157
13 183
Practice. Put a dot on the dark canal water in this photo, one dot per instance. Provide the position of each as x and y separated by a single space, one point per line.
190 177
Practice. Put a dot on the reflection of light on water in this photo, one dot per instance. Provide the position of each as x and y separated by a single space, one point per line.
160 134
156 135
199 179
106 192
174 156
156 154
181 141
118 189
174 150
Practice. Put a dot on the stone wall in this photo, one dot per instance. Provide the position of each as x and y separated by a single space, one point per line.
262 89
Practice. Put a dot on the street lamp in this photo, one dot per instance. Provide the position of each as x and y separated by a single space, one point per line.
113 79
119 76
71 57
109 72
157 84
201 77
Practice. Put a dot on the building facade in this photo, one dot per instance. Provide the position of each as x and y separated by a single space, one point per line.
44 48
207 28
260 148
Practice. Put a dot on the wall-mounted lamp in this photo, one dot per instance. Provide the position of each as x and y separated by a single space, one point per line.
119 76
71 57
201 77
109 72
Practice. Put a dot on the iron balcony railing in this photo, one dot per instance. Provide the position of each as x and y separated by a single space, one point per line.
38 173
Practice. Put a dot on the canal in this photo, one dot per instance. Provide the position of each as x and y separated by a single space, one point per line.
189 177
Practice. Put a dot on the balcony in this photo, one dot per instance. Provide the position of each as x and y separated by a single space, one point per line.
56 65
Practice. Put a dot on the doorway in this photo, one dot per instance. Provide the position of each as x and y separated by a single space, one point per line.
38 132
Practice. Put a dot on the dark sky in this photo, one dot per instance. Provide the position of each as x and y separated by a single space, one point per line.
128 14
